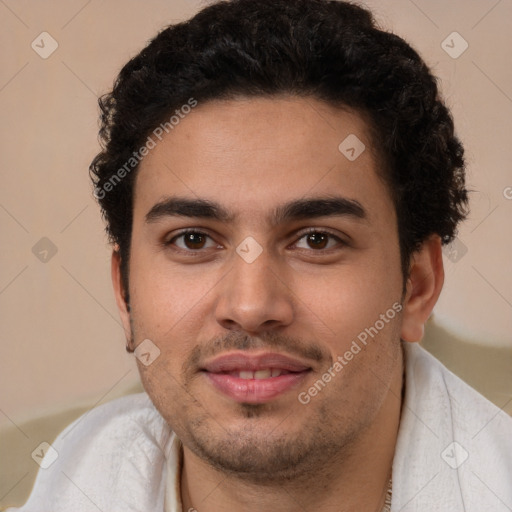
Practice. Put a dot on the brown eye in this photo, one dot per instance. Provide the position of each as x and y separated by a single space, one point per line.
319 240
194 240
190 241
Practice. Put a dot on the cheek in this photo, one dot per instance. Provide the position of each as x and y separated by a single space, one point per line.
349 299
167 393
170 307
166 298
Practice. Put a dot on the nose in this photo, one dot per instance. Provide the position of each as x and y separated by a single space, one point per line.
255 296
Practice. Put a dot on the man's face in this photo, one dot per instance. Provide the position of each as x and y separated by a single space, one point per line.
250 312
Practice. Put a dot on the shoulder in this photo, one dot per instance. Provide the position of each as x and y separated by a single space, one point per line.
467 406
127 417
451 437
112 458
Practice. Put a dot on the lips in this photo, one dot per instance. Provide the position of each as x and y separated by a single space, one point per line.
253 378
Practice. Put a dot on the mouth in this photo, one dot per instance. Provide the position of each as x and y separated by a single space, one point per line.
249 378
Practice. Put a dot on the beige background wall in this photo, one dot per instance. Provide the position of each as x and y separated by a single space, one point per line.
61 340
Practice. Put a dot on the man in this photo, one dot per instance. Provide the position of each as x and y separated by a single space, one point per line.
278 179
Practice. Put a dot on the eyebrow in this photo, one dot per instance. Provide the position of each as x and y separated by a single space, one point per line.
299 209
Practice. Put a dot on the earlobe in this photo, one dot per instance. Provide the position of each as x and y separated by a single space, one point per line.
120 294
426 278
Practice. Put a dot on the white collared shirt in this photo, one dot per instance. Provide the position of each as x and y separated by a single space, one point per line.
453 453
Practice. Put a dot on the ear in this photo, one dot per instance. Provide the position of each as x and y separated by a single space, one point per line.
120 295
424 285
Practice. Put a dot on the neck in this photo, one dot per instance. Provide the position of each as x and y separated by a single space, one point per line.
356 480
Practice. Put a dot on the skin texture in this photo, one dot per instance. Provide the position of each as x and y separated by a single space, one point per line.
305 298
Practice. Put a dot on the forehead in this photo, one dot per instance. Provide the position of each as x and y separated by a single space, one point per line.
251 154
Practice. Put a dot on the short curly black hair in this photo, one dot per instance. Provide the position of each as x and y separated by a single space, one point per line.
329 50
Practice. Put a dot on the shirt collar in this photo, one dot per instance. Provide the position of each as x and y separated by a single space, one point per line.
174 462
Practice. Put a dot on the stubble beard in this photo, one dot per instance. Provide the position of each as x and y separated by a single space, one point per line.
255 455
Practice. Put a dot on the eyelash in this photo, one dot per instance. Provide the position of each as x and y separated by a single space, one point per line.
303 234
